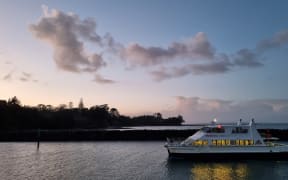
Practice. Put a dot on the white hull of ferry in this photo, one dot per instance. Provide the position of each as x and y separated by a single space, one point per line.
227 149
229 153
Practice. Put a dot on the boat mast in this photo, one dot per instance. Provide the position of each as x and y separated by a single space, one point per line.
251 133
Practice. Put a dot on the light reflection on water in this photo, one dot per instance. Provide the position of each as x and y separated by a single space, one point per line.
121 160
179 169
219 171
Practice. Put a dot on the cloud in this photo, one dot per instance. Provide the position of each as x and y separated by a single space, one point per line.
200 104
112 46
196 69
222 63
197 47
66 33
25 77
248 58
8 76
195 56
201 110
279 39
101 80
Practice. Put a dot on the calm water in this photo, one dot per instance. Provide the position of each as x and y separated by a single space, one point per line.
121 160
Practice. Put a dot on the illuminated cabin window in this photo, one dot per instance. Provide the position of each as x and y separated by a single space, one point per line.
237 142
242 142
200 143
227 141
246 142
221 142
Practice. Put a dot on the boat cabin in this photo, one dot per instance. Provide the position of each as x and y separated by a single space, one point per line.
239 134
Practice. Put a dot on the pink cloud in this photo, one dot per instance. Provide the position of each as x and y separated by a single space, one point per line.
200 110
195 48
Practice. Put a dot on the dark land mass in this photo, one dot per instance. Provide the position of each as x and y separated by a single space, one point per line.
14 116
46 123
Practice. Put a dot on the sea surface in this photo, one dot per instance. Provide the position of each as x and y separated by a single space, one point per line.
121 160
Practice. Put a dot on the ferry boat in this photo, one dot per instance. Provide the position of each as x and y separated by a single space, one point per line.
227 142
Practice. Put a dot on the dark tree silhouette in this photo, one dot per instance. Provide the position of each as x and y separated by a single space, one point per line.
70 105
114 112
14 101
13 116
81 104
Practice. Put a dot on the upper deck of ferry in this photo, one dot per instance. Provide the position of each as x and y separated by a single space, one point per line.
217 134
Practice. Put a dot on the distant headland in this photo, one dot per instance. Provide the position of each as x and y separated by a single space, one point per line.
14 116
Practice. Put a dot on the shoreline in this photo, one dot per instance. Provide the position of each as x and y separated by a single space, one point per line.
112 135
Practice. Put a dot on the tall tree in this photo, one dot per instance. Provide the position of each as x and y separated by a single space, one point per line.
114 112
70 104
81 104
14 101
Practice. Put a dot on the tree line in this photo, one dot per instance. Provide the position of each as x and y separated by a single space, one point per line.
14 116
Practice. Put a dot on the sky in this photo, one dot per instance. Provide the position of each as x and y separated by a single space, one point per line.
200 59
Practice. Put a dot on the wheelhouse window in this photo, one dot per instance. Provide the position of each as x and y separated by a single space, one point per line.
239 130
218 129
205 129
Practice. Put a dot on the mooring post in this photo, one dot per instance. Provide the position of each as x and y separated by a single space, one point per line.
38 139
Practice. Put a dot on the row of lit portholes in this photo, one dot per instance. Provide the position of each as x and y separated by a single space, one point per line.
224 142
